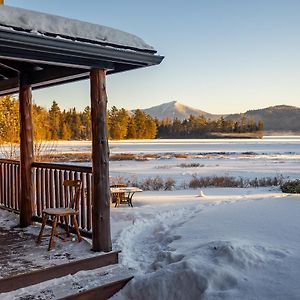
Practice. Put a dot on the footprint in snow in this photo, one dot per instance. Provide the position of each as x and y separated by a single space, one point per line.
146 243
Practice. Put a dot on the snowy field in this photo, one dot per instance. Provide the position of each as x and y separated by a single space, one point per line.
231 243
268 157
238 158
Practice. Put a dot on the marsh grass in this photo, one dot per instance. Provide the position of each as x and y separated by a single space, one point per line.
190 165
229 181
292 187
158 183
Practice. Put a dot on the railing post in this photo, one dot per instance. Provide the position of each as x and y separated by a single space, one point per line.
100 157
26 152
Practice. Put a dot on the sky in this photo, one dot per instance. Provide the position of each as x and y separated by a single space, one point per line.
221 56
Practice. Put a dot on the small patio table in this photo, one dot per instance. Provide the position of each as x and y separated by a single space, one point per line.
129 192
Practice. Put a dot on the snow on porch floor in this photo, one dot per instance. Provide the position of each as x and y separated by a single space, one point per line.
21 254
69 285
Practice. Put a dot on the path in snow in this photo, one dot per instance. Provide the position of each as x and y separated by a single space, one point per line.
146 243
221 247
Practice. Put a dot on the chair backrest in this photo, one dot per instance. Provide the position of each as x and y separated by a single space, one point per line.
73 192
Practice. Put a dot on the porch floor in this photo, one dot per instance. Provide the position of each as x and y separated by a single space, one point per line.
20 253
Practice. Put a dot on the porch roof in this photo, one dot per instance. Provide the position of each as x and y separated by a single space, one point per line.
51 50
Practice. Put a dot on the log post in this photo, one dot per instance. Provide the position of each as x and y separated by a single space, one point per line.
100 158
26 152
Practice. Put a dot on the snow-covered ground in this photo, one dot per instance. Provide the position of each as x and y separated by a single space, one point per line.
246 158
214 243
229 244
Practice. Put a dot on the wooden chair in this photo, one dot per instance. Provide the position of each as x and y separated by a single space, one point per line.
119 197
72 195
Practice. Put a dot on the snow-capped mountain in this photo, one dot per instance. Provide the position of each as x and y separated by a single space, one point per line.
175 109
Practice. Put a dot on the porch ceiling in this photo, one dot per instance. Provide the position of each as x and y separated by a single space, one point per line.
52 58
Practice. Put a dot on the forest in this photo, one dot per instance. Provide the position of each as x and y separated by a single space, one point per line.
57 124
200 127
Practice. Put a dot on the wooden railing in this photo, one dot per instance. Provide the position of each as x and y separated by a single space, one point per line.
48 188
9 183
48 180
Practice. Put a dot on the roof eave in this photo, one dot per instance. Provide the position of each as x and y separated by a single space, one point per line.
38 48
77 58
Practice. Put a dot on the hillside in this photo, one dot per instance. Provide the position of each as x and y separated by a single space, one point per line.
175 109
280 118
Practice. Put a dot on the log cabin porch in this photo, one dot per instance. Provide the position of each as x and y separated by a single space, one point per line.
37 51
23 262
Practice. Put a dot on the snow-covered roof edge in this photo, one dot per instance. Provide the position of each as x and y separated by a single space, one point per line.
42 23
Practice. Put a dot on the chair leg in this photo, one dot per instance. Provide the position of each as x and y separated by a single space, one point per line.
53 231
118 200
76 228
67 226
44 221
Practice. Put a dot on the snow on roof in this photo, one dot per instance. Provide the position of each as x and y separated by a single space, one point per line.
42 23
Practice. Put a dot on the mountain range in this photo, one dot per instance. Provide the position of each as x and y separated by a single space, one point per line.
277 119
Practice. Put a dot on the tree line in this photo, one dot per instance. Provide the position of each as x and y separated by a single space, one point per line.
199 126
57 124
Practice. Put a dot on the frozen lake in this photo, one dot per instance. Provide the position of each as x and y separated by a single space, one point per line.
182 160
271 145
267 157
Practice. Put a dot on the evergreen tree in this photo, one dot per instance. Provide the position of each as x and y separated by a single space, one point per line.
114 126
131 129
86 123
75 125
66 132
118 123
9 119
54 124
55 121
41 124
151 128
122 119
140 123
260 126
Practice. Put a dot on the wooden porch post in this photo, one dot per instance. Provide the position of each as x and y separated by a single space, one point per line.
100 158
26 152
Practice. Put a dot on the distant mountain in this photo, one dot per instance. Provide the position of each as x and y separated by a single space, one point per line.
280 118
177 110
